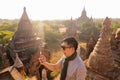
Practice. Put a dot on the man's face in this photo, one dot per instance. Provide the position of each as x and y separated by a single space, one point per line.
67 49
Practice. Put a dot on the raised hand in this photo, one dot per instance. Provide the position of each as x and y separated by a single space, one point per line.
42 58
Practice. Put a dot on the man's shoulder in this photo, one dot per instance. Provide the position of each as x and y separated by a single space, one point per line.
78 61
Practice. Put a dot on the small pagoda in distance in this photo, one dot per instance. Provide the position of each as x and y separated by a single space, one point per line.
72 30
25 42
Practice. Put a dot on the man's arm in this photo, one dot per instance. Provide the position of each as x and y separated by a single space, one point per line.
52 67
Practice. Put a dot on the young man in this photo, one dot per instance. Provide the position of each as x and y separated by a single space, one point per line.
71 65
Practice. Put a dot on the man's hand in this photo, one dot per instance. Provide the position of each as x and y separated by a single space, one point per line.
42 58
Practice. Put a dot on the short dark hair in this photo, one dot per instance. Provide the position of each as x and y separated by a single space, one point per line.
71 41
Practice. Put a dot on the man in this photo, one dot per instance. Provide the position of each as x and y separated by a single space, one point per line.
71 65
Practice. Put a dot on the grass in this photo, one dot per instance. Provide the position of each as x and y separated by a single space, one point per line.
83 45
55 57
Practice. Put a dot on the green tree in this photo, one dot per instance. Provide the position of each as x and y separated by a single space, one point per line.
86 29
5 36
52 37
9 26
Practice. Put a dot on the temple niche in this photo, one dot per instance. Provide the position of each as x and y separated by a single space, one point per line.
101 64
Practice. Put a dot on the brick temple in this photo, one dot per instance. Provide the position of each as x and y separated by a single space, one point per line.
26 44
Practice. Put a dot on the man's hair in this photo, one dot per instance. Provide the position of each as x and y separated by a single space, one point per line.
71 41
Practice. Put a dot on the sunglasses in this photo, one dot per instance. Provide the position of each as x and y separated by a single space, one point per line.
64 47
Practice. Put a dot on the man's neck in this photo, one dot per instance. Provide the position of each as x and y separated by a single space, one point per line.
72 52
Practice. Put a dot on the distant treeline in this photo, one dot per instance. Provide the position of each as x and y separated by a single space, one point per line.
49 30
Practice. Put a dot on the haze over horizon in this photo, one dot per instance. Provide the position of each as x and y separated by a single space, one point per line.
59 9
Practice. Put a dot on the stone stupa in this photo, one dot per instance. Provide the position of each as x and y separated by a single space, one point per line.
100 64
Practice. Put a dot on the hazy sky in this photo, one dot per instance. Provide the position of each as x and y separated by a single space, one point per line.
59 9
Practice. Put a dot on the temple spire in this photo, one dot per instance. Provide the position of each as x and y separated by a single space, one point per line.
24 9
24 21
83 13
24 15
71 18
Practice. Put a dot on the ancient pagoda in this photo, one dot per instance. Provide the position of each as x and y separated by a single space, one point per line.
24 42
85 25
100 64
25 36
83 17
